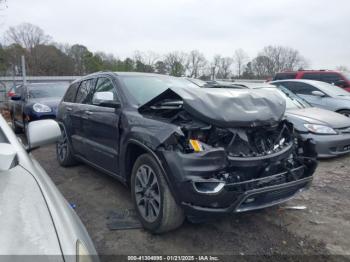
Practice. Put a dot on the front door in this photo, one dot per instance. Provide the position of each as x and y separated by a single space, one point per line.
102 129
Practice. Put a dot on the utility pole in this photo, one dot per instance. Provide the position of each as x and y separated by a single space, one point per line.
24 70
213 73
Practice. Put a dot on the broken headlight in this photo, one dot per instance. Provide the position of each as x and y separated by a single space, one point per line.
196 145
320 129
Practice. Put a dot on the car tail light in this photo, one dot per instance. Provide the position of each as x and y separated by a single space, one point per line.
11 94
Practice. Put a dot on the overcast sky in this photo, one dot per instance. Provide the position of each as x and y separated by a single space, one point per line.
319 29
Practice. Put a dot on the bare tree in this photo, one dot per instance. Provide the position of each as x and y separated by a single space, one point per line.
261 66
176 63
281 58
26 35
148 58
79 53
29 37
145 61
225 65
221 67
240 58
196 63
215 66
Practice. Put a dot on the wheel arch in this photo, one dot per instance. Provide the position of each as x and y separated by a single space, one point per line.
133 150
342 109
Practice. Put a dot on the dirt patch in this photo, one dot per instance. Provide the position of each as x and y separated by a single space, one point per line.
320 229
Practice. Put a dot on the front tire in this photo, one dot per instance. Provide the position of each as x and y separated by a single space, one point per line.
154 203
64 152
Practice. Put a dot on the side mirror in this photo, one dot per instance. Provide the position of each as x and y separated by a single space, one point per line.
105 99
16 97
318 93
42 132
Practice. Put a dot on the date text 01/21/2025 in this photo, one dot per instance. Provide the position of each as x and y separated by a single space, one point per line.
173 258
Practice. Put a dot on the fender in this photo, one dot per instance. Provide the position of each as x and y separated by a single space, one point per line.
170 184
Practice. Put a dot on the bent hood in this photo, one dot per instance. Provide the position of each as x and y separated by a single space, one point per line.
225 107
314 115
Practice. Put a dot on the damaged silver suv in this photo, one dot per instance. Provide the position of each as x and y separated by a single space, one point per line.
184 150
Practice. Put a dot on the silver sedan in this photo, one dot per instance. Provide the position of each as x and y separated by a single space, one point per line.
35 218
319 94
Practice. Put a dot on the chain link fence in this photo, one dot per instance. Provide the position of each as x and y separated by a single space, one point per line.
3 96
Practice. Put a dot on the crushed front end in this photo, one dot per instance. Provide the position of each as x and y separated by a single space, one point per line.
216 169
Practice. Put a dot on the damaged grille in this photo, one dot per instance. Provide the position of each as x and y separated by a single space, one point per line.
253 142
238 142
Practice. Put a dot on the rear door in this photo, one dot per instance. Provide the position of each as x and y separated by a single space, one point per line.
65 109
102 129
79 117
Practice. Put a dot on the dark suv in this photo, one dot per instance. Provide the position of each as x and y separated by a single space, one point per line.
340 79
184 150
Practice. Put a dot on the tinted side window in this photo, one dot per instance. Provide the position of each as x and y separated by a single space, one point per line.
282 76
331 77
300 88
311 76
105 85
71 92
84 95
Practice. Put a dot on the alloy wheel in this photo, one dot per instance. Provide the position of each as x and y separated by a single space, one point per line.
147 193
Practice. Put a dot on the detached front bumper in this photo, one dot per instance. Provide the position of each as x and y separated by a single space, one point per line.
196 187
328 146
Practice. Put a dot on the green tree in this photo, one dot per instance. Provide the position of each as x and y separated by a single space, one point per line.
79 53
161 68
52 61
13 55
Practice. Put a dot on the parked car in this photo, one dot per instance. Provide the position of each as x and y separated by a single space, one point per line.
329 130
12 92
35 218
319 94
340 79
184 150
34 102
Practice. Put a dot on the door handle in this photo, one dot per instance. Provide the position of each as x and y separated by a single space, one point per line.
88 112
69 108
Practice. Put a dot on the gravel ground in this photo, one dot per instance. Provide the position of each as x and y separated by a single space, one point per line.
321 229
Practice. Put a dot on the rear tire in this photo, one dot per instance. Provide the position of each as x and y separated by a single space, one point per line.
150 192
344 112
64 152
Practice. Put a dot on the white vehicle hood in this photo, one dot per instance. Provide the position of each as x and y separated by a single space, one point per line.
26 224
